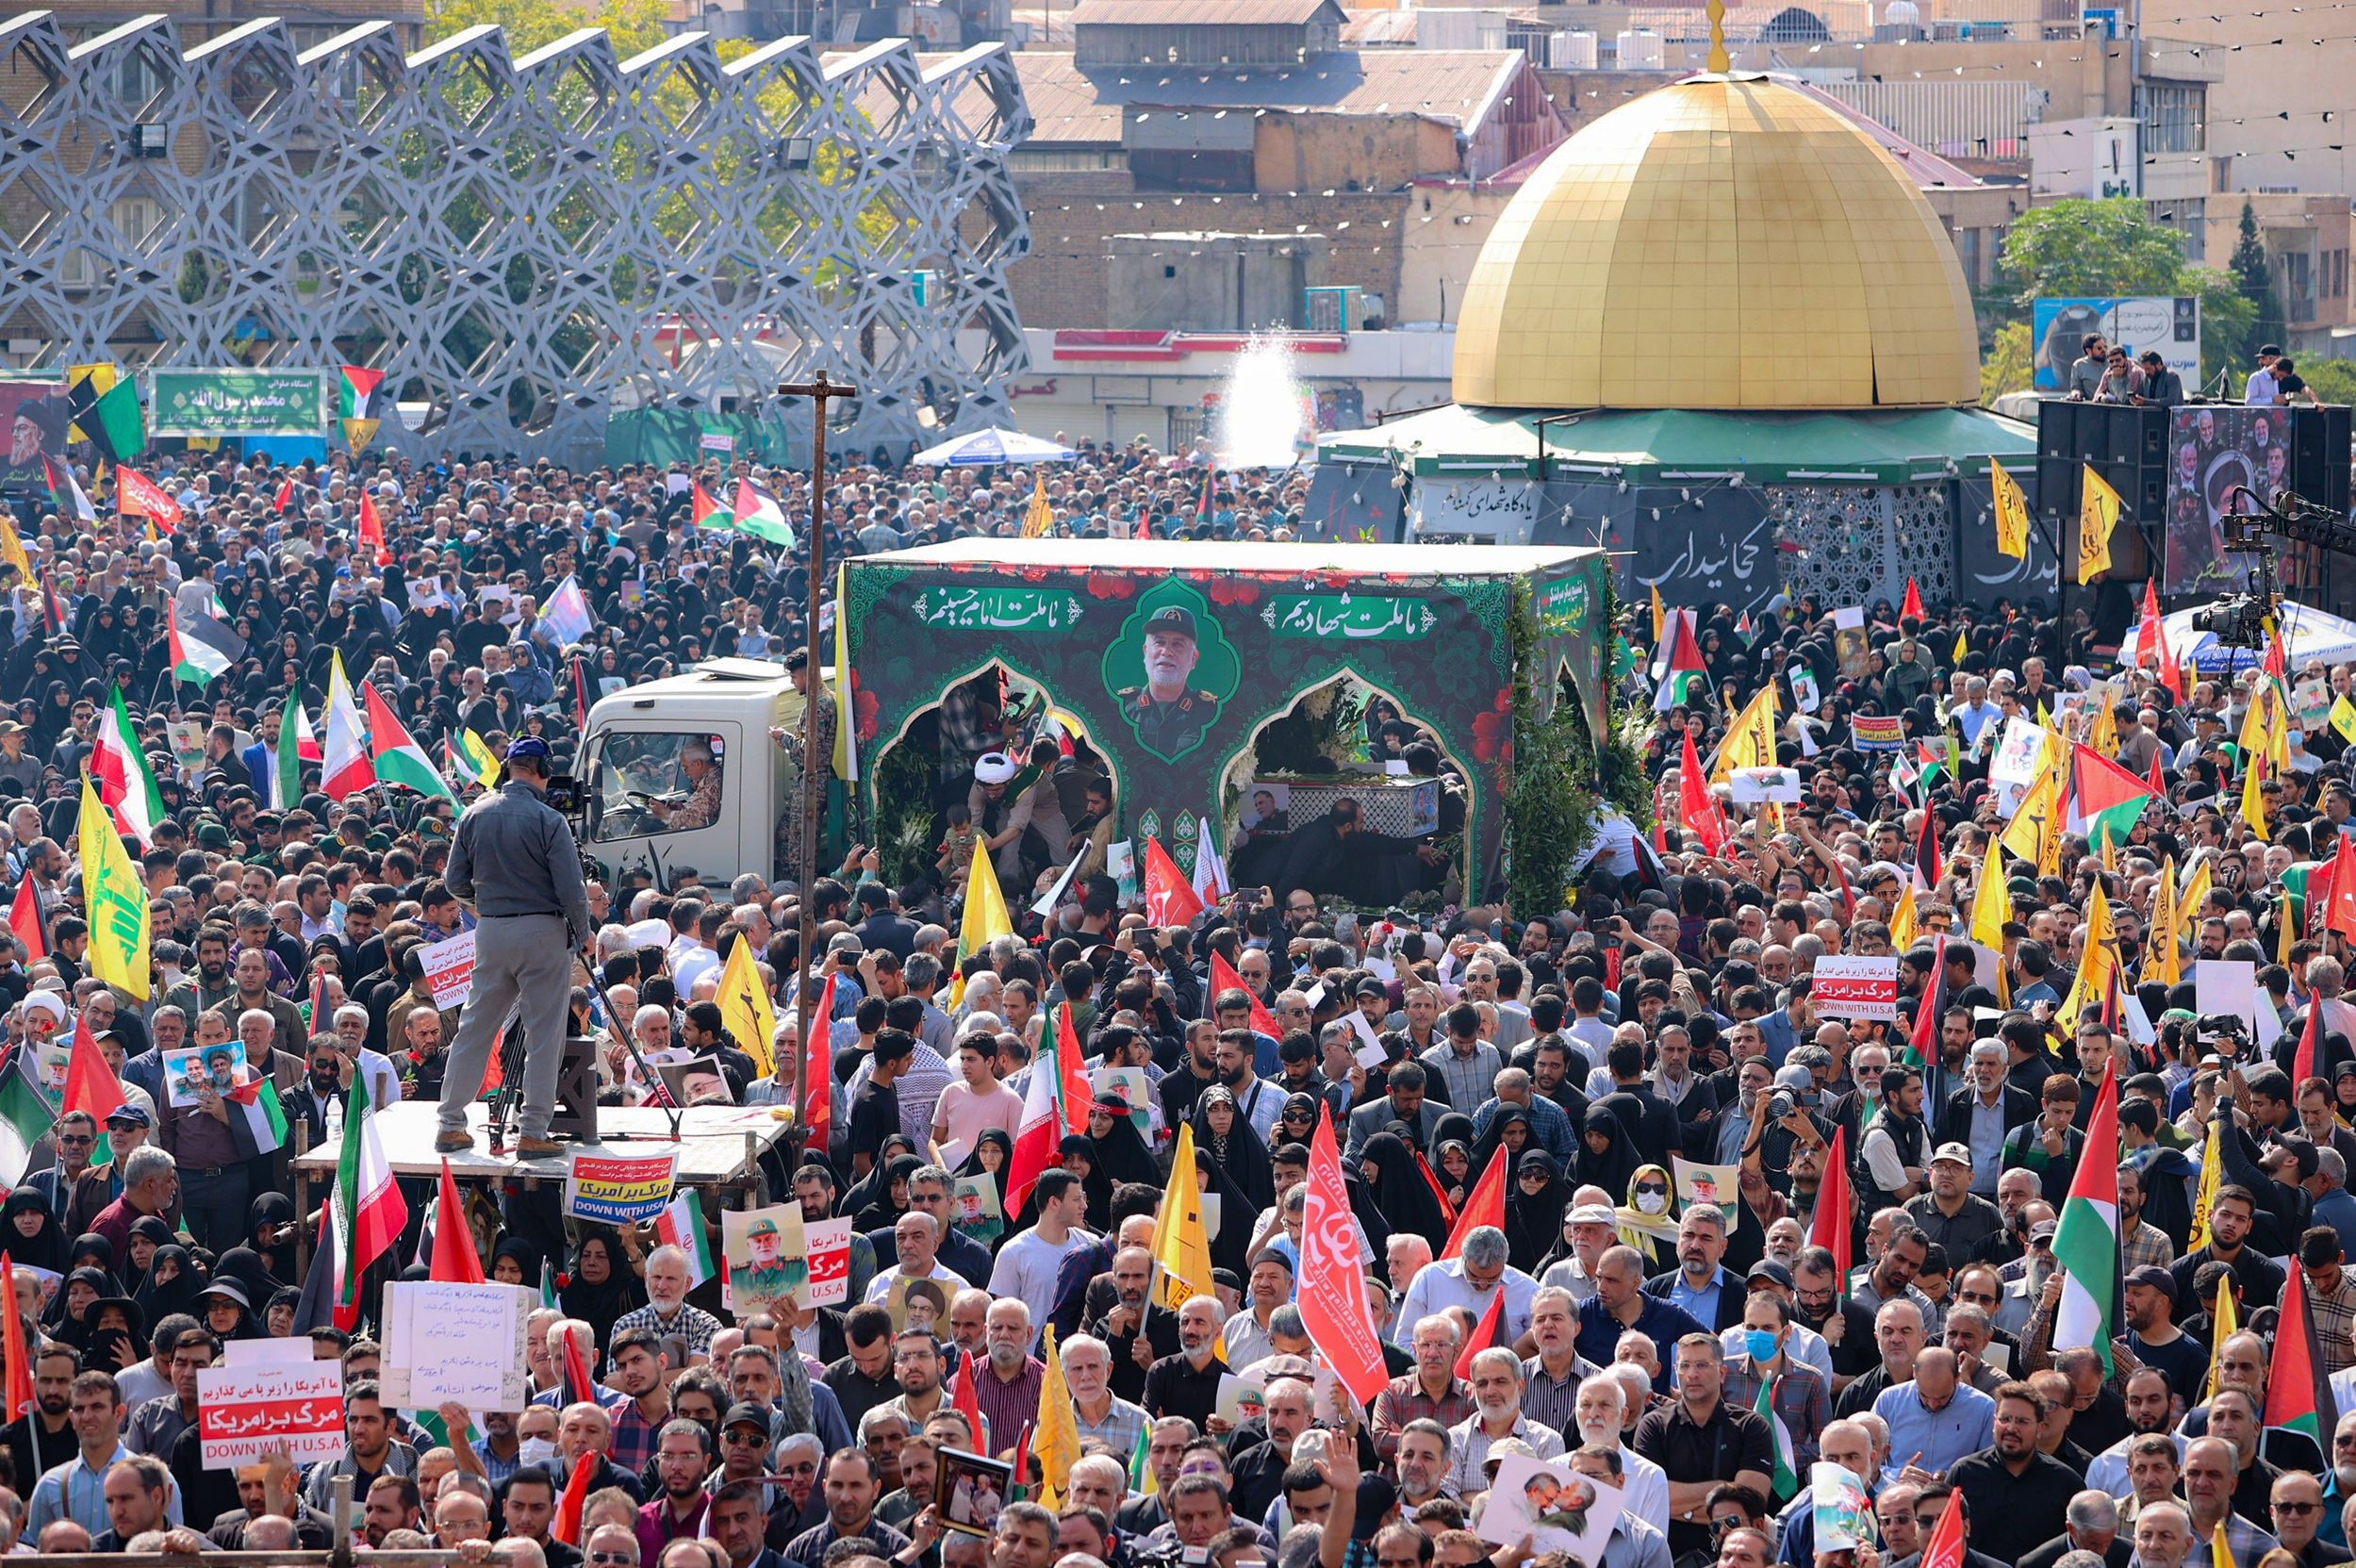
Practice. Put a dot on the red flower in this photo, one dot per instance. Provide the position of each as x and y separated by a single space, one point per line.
1034 574
1492 737
1233 590
1111 584
865 712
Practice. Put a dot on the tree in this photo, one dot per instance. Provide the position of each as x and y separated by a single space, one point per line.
2330 380
2227 318
2080 247
2010 364
2254 277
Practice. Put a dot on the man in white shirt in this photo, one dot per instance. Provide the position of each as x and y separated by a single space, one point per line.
1603 1404
1471 1279
1029 1260
2262 391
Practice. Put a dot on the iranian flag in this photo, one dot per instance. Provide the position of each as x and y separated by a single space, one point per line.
2104 799
366 1213
682 1227
1039 1132
1787 1478
394 756
1679 667
705 512
296 746
125 784
2087 1242
202 646
346 769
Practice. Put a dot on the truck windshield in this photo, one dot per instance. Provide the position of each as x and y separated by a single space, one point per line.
659 782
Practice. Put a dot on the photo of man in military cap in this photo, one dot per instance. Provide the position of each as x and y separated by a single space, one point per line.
766 1275
1169 712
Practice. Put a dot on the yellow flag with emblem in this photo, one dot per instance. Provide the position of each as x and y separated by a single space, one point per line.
2103 735
2036 827
1991 904
2224 1318
2163 961
2098 509
1902 921
116 898
2012 512
2344 718
1182 1245
745 1007
1055 1440
1962 647
12 553
2095 968
1039 521
2253 794
1750 737
1660 617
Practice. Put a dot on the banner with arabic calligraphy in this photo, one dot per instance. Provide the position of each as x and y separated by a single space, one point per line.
242 1412
239 403
1172 674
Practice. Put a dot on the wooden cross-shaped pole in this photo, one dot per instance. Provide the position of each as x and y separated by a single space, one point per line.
820 391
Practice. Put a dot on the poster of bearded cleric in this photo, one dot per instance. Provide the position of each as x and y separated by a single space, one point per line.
2213 449
33 418
1074 697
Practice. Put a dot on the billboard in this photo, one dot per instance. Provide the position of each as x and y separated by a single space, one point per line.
33 422
239 403
2212 449
2170 325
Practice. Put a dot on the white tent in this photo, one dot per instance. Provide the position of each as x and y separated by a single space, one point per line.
992 447
2311 633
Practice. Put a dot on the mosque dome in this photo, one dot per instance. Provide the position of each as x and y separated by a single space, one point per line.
1725 242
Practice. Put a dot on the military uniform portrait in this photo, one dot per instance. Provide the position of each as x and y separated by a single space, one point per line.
1187 668
766 1267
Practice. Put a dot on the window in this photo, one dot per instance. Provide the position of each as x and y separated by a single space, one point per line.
643 783
2175 117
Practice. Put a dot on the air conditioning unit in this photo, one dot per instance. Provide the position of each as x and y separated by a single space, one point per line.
1640 50
1571 52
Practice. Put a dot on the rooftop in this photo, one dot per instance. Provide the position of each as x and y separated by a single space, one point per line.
1284 560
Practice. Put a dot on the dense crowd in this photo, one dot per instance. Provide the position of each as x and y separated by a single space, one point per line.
1693 1353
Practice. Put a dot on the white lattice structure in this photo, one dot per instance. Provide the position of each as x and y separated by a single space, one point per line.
521 244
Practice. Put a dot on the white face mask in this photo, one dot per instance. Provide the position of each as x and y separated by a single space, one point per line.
536 1450
1648 1202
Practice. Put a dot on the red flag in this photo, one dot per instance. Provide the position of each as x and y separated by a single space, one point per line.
1224 977
1695 802
1929 865
25 921
1613 957
580 1385
817 1068
1488 1334
372 526
286 494
1830 1226
455 1261
140 496
1072 1068
1924 1041
2310 1047
20 1393
1333 1303
2339 909
966 1399
1431 1180
1913 606
1170 896
1022 1460
2159 784
568 1527
1945 1549
1483 1205
2298 1396
89 1084
2151 642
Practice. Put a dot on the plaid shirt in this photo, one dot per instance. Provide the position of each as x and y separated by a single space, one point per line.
1472 1081
634 1438
1403 1400
2245 1540
694 1322
1119 1429
2335 1318
1800 1400
2146 1245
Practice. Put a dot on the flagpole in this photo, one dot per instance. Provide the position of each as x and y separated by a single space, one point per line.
820 391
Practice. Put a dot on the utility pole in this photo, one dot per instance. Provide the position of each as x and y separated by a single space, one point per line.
820 391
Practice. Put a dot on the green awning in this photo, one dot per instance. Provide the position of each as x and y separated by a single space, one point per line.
1655 446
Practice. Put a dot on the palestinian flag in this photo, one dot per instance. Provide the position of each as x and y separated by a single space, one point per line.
759 514
24 922
66 491
705 512
1679 667
367 1210
1930 767
1787 1478
360 404
126 785
25 1114
2105 799
1929 863
1488 1334
256 1097
682 1225
394 756
202 646
2298 1396
2087 1242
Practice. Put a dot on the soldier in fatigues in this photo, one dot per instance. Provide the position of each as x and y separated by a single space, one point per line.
1169 716
789 741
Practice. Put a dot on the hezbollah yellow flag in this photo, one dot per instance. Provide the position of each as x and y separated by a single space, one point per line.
2012 512
2098 509
2162 962
2038 821
1039 521
845 707
2103 737
1901 923
985 914
1991 906
2220 1545
2253 796
115 900
12 553
1181 1246
1055 1440
1962 648
1660 617
1750 738
2188 902
2344 718
2261 721
2224 1318
745 1006
2212 1167
2095 968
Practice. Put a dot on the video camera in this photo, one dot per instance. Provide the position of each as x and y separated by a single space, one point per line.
565 794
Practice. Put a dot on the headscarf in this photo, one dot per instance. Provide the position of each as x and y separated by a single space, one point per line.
1614 1168
159 1299
1230 1246
232 1291
1397 1189
1533 1219
45 1249
972 1163
1095 1184
881 1214
245 1265
1241 1153
273 1209
598 1305
1642 1230
1485 1147
527 1258
1122 1154
154 1229
71 1330
864 1193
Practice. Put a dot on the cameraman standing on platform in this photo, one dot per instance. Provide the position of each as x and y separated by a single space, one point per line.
515 860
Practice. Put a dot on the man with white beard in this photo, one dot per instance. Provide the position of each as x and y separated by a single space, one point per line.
1496 1415
1602 1404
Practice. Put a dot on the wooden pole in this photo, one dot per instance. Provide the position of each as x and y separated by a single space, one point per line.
820 391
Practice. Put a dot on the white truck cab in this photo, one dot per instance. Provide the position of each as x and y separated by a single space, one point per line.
682 773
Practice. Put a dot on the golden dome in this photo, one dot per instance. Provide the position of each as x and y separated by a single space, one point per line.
1725 242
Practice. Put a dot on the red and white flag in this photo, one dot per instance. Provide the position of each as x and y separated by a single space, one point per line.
136 495
1170 896
1333 1302
1038 1133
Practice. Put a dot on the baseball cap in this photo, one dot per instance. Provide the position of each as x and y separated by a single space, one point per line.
129 1114
746 1413
2042 1231
528 746
1956 1153
1590 1214
1772 1271
2157 1278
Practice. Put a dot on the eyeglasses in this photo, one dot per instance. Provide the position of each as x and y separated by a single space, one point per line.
2297 1510
76 1140
745 1440
613 1557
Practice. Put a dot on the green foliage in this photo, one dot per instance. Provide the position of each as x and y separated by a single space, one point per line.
2010 365
2255 278
2092 247
2330 380
2228 320
636 25
1561 778
903 795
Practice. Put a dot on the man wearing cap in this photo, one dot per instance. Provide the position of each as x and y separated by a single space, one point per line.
767 1278
2153 1334
1169 716
1950 1214
20 771
515 858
